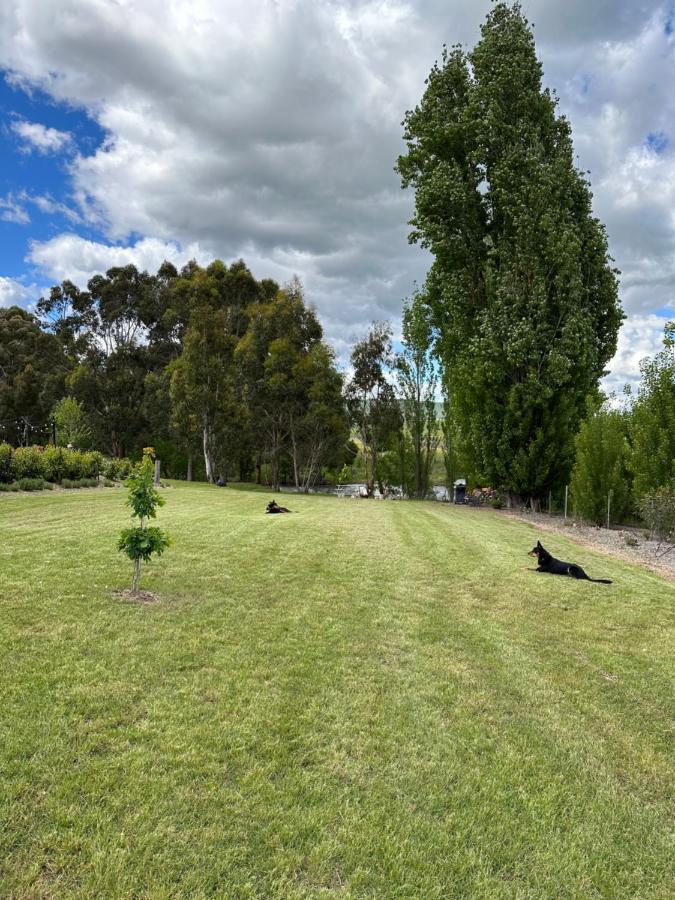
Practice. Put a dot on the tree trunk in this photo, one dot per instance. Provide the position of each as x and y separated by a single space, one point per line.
189 468
296 467
208 458
258 470
137 576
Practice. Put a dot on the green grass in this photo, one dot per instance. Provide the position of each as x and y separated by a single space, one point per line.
362 699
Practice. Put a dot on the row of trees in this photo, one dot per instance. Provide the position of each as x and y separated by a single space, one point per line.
209 364
515 323
629 452
204 364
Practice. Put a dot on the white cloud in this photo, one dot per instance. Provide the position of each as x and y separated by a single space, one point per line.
41 138
640 337
11 210
48 205
69 256
14 293
269 130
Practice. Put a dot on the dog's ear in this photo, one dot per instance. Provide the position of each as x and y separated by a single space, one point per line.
538 543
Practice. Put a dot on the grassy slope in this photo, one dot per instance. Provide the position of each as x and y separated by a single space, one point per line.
361 699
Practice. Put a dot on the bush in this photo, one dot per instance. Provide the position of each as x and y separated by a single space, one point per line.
91 464
73 484
5 463
6 488
497 503
116 469
54 463
657 510
32 484
27 463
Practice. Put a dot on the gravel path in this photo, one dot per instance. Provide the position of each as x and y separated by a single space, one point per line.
631 544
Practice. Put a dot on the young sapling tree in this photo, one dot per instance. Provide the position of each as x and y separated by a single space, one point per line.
141 542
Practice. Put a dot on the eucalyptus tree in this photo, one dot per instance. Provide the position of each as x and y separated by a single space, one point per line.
277 374
371 399
418 380
522 290
33 368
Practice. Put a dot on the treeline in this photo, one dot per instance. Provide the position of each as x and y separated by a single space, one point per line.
224 375
625 455
221 373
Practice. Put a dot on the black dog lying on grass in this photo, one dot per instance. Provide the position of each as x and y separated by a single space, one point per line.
553 566
273 507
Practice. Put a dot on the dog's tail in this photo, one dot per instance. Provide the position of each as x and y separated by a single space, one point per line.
601 580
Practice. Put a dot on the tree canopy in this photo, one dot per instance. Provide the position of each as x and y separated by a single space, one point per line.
522 292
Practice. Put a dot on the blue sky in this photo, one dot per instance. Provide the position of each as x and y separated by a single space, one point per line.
29 176
135 130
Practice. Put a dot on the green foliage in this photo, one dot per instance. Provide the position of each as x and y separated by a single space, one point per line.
601 466
71 425
657 510
116 469
27 463
32 372
652 420
6 472
141 542
143 498
417 376
293 390
33 484
71 484
521 292
54 463
371 401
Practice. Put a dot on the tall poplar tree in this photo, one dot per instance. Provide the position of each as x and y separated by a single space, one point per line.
522 290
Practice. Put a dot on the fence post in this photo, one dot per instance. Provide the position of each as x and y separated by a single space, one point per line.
157 466
566 487
609 506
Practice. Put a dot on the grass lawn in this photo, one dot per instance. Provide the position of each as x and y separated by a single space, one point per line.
362 699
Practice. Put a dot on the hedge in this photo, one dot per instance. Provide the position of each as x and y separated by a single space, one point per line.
54 464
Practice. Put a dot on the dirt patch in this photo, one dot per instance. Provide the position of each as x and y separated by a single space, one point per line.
629 544
127 596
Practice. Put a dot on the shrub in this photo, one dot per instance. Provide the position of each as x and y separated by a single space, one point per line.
27 463
54 463
657 510
91 464
601 466
5 463
73 465
73 484
6 488
31 484
497 503
116 469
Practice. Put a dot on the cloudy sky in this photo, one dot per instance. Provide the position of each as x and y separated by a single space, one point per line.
139 130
